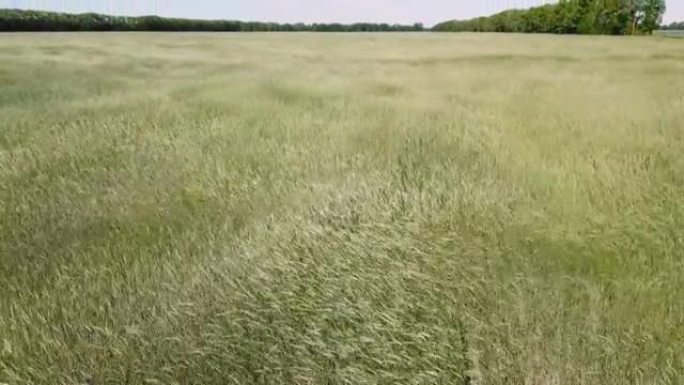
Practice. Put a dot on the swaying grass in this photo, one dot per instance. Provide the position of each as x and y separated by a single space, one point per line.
341 209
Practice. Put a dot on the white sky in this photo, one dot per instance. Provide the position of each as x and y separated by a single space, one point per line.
428 12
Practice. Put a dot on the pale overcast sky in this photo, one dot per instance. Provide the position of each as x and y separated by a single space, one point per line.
428 12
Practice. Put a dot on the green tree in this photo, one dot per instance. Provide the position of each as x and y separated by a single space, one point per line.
653 11
18 20
614 17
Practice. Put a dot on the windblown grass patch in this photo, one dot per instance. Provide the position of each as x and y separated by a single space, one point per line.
333 209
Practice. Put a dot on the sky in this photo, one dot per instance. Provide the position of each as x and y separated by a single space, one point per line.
427 12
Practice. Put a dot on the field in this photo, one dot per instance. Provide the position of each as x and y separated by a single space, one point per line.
341 209
670 33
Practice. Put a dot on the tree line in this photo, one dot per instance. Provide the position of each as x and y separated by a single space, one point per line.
674 26
608 17
14 20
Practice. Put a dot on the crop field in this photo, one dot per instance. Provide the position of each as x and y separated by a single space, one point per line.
341 209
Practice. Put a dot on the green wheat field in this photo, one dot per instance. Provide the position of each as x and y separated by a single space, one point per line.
341 209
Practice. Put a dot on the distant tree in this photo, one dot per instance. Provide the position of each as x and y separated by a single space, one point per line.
674 26
612 17
19 20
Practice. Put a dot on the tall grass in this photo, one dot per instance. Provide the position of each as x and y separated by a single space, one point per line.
330 209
